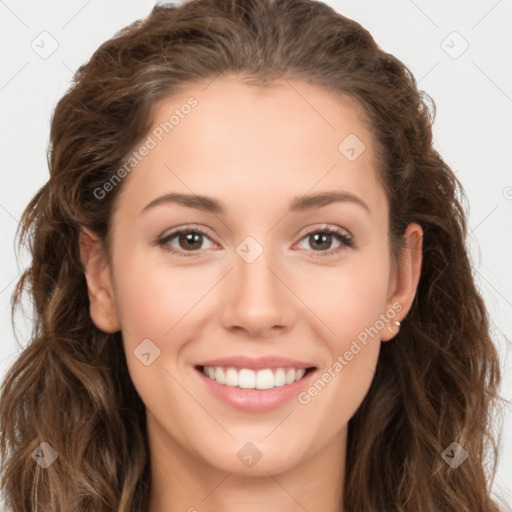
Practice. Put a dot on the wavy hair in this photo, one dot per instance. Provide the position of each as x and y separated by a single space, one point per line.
435 384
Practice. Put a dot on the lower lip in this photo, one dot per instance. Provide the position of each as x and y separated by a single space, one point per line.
256 400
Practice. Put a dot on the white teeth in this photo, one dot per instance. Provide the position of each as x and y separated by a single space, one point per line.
231 377
249 379
219 375
264 379
279 377
246 379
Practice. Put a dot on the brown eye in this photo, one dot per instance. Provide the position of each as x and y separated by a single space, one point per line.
321 240
189 241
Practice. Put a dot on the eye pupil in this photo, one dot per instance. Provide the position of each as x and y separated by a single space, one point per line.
323 239
190 238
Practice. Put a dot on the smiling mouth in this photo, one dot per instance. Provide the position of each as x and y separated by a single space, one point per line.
245 378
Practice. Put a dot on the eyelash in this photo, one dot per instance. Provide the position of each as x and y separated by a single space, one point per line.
345 240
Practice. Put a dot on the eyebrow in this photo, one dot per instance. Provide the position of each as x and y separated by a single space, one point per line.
298 204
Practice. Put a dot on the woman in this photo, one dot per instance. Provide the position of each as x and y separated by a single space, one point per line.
244 208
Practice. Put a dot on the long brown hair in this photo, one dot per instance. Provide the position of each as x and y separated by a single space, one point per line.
435 384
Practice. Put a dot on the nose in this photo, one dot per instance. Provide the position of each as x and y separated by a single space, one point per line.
257 299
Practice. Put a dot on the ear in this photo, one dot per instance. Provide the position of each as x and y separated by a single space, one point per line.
405 280
99 283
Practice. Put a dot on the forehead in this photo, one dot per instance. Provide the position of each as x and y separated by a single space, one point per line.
224 136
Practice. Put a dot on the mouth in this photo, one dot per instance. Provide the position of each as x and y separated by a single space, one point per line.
247 378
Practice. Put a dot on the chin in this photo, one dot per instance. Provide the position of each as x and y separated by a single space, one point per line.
258 458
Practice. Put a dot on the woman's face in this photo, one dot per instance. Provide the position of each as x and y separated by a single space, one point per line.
263 293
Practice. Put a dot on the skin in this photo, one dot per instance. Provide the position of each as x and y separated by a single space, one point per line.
254 150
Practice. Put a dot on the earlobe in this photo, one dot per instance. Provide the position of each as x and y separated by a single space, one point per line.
99 285
391 329
406 282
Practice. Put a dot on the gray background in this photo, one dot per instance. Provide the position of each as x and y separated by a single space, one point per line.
472 89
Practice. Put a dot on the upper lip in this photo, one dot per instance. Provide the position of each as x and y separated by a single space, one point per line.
256 363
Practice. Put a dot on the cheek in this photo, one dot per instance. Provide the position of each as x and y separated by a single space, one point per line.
353 313
352 298
152 299
155 302
162 304
351 303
